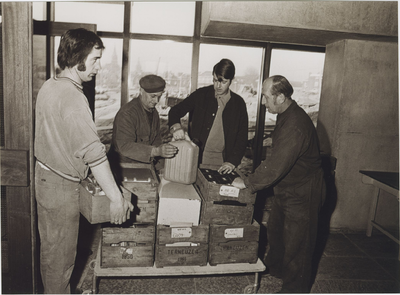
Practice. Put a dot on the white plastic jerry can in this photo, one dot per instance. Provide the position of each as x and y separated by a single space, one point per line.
183 167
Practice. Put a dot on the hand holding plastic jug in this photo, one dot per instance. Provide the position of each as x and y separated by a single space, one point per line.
184 137
177 132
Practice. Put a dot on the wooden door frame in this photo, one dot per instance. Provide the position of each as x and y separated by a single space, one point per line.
17 154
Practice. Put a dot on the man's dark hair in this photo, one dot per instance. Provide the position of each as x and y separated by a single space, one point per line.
281 85
225 68
75 46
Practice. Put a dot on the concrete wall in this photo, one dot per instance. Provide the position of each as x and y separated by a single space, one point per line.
365 17
358 124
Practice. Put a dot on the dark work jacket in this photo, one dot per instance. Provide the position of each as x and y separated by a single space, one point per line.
295 155
133 138
202 106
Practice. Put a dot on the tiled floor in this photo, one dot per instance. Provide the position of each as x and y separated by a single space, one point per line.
347 263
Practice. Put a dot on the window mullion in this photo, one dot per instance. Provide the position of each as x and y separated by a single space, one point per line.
125 54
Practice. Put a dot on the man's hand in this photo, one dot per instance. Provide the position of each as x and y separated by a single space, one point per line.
179 134
239 183
120 211
165 150
226 168
177 131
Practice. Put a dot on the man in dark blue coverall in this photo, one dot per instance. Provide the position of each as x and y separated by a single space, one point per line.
294 170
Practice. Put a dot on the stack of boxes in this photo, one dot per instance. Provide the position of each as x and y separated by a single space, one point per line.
133 244
176 223
229 213
180 240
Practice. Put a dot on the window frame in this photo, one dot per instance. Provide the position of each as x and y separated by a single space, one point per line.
51 28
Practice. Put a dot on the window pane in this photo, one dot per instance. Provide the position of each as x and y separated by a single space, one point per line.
39 10
170 60
108 16
247 62
304 71
169 18
108 88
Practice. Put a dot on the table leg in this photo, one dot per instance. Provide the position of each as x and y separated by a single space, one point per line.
94 284
373 212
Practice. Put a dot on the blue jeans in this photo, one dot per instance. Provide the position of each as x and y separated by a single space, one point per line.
58 222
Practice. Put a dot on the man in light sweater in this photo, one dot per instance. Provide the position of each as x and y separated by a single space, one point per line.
66 146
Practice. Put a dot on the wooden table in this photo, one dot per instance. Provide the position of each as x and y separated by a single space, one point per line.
389 182
153 271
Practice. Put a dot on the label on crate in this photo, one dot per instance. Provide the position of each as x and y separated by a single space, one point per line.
181 232
229 191
232 233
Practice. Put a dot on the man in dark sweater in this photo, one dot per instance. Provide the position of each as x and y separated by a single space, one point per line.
218 120
294 170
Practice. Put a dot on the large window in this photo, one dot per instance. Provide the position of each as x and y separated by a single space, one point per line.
304 71
166 18
107 16
162 40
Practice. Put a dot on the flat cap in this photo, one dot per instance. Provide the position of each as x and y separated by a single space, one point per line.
152 83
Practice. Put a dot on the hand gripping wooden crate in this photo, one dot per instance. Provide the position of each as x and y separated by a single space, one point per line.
142 181
181 246
128 246
94 205
214 186
233 244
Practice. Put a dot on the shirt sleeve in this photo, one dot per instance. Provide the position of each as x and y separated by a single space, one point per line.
286 149
181 109
85 142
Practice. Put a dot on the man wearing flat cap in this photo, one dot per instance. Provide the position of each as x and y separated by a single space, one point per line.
136 133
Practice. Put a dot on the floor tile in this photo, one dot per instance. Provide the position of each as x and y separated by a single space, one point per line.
378 245
391 266
269 285
349 268
173 285
221 284
357 286
340 246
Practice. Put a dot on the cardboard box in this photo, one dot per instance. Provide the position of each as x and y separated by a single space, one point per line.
128 247
94 205
233 244
178 246
178 203
217 187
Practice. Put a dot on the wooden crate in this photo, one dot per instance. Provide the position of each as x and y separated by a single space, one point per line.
179 246
140 179
233 244
141 233
94 204
127 254
233 252
226 233
128 247
145 211
215 212
216 187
